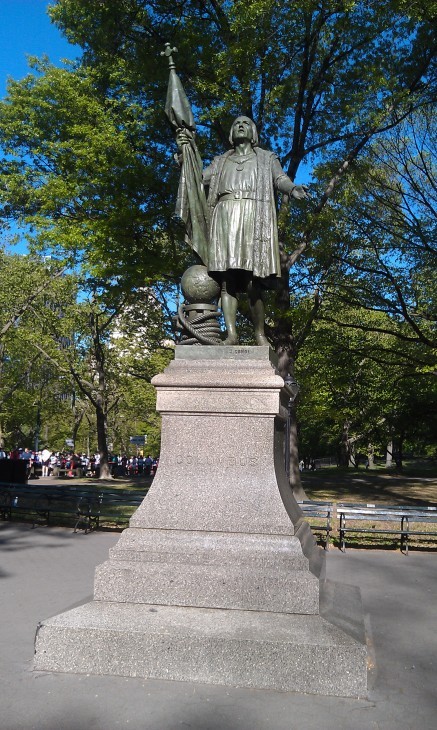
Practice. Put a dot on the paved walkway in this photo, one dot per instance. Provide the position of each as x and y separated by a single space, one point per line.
45 571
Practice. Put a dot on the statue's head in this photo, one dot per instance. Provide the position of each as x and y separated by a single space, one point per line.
243 128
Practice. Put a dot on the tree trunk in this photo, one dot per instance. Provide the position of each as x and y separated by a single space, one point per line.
286 352
76 425
344 446
101 402
389 455
370 457
102 444
285 366
37 428
399 456
295 482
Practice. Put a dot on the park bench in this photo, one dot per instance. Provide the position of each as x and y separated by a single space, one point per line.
22 499
380 519
60 471
319 516
85 506
414 519
105 507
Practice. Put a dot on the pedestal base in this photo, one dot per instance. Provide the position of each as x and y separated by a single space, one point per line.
217 578
288 652
209 570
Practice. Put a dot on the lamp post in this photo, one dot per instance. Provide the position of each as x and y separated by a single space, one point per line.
293 389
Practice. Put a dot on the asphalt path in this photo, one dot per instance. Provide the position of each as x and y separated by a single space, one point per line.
45 571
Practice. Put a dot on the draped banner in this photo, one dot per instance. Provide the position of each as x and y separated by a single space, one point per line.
191 204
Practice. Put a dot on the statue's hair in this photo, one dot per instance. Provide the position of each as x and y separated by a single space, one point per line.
255 139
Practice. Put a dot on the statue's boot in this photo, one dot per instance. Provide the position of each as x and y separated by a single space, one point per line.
229 307
232 338
257 311
261 339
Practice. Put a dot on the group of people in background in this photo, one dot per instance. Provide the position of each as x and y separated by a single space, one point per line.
308 464
25 455
48 463
135 465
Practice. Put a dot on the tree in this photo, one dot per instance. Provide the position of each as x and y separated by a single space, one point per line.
26 283
142 350
76 344
326 87
386 245
337 76
81 181
88 339
351 403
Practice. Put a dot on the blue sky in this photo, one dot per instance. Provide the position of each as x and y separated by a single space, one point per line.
25 29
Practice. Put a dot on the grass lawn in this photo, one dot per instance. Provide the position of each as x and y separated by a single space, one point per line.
135 483
416 485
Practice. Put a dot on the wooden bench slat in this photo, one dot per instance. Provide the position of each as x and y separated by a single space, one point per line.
319 510
406 516
86 505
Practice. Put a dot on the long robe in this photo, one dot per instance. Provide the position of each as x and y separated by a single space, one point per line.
243 230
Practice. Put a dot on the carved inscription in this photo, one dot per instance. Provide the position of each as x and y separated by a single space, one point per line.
240 350
227 461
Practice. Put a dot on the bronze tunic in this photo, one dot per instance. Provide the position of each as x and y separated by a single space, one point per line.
243 231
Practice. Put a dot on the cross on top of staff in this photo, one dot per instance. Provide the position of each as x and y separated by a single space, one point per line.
168 52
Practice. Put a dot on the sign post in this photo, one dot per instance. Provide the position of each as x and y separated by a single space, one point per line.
138 441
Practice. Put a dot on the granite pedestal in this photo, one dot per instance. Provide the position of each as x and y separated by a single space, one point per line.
217 579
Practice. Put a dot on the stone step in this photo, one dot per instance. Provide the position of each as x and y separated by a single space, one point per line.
274 552
208 586
236 648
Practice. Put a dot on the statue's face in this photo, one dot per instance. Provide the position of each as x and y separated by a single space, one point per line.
242 130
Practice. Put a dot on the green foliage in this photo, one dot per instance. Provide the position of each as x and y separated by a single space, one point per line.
88 156
29 387
312 75
384 249
88 172
136 411
66 356
351 392
78 173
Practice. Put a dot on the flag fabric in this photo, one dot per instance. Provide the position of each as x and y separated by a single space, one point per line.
177 106
191 204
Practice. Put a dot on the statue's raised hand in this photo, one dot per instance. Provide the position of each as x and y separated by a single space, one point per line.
300 192
182 138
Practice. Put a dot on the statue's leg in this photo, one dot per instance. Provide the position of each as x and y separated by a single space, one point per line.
229 307
257 311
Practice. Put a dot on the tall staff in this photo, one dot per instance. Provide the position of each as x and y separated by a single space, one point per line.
191 204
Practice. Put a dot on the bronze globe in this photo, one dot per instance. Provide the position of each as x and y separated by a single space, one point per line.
198 286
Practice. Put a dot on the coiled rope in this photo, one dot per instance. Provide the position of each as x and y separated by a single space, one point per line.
204 328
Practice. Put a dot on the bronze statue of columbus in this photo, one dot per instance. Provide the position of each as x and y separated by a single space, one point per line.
243 250
234 230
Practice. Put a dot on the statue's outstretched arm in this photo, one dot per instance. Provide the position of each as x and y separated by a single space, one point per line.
285 185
